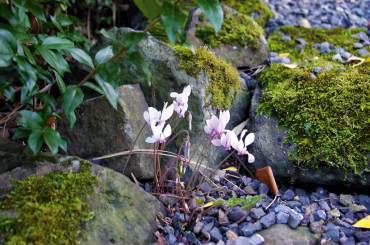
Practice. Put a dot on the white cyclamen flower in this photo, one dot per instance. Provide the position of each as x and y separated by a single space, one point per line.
160 133
153 116
241 145
181 101
216 125
227 139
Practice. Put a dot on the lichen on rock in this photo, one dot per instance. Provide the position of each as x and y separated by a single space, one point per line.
224 80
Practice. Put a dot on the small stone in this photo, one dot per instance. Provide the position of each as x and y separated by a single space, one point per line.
347 241
361 36
246 180
198 226
324 48
317 227
294 204
286 38
268 220
207 227
294 219
249 190
288 195
304 23
231 236
263 189
364 200
237 214
345 200
171 238
338 58
215 234
331 233
222 217
363 236
75 166
358 45
205 187
363 52
305 200
301 41
324 205
257 213
320 215
346 55
355 208
283 208
282 218
334 213
317 70
248 229
256 239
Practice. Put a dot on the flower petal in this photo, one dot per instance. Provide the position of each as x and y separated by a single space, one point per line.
251 158
249 139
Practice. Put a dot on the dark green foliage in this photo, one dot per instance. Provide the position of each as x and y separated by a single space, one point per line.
48 209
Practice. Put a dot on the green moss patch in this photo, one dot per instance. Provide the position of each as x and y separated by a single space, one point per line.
48 209
251 7
326 116
237 30
224 80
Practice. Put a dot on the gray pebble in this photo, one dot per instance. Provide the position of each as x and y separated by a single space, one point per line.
282 218
268 220
363 52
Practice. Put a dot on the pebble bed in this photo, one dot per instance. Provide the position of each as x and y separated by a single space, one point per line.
321 13
324 213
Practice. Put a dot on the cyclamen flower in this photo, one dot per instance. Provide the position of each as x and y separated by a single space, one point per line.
181 101
160 133
227 139
241 145
216 125
153 116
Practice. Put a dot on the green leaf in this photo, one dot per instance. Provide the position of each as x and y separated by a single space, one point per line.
60 82
30 119
55 60
36 9
131 39
21 133
57 43
8 37
173 21
213 12
93 87
109 92
104 55
35 141
150 8
6 53
81 56
53 140
72 98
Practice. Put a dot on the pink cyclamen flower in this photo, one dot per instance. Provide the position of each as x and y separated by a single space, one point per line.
181 101
153 116
160 133
216 125
241 145
227 139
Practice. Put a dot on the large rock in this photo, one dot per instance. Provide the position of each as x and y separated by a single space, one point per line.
251 53
282 234
123 212
167 76
10 155
101 130
271 149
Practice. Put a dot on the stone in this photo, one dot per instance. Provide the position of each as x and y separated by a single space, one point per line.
263 189
363 236
320 215
346 55
205 187
334 213
295 219
248 229
288 195
346 200
338 58
281 234
253 240
347 241
257 213
12 155
215 234
317 227
268 220
237 214
324 205
331 233
324 48
239 56
364 200
304 23
355 208
363 52
361 36
231 236
358 45
317 70
282 218
102 130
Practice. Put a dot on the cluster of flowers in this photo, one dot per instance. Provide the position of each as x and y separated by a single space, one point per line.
216 129
157 119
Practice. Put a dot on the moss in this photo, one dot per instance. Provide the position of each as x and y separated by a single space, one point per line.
223 78
49 209
326 117
237 30
250 8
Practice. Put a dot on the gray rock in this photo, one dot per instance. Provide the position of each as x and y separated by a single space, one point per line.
281 234
216 234
363 236
363 52
317 227
324 205
102 130
282 218
317 70
334 213
364 200
355 208
286 38
338 58
205 187
320 215
324 48
263 189
257 213
288 195
295 219
304 23
248 229
256 239
346 200
268 220
12 155
361 36
347 241
237 214
331 233
346 55
358 45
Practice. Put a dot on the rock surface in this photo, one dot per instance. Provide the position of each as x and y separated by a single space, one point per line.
282 234
123 212
239 56
270 148
101 130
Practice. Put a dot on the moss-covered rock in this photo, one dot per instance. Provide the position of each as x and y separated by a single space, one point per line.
325 115
240 40
73 201
255 8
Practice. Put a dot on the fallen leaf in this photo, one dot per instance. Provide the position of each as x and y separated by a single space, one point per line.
291 66
233 169
283 55
363 223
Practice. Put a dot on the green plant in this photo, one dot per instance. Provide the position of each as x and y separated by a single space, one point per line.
39 43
